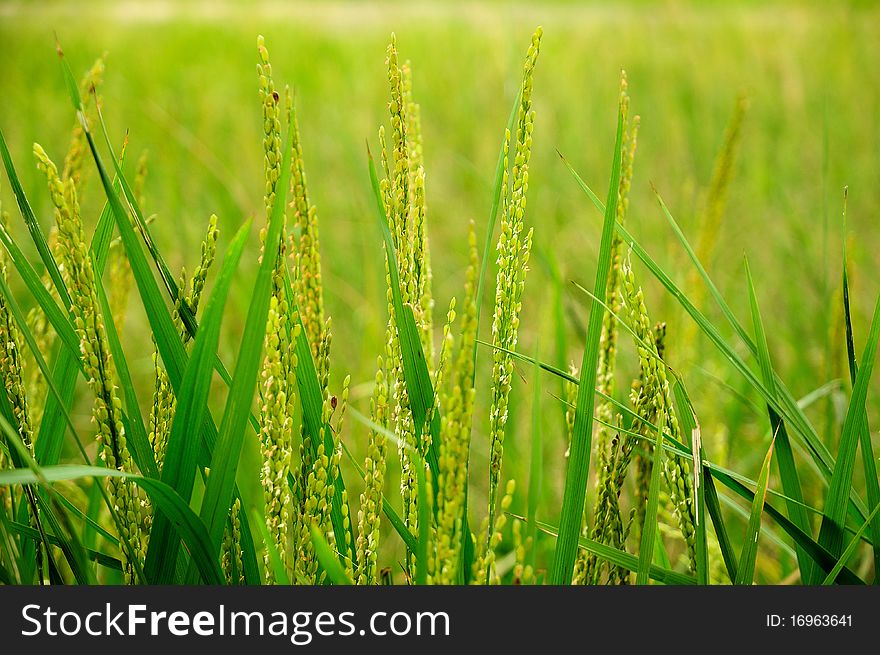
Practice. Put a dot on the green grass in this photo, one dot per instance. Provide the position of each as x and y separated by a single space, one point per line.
183 87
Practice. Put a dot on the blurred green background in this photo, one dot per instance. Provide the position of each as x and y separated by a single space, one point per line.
181 81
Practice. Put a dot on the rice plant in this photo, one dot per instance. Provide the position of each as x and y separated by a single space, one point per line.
380 489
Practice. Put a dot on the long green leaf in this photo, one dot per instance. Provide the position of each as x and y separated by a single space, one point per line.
866 447
181 460
832 529
31 221
714 509
746 569
791 484
785 406
191 529
224 462
578 466
850 549
819 553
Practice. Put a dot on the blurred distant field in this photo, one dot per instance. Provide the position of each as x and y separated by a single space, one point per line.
181 81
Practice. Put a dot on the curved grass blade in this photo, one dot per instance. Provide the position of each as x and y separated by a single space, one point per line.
31 222
578 466
191 529
867 449
850 549
832 529
819 553
714 508
746 570
788 473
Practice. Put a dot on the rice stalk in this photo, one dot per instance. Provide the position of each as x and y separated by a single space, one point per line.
77 150
513 256
307 281
164 402
457 403
98 365
370 512
12 372
655 400
231 556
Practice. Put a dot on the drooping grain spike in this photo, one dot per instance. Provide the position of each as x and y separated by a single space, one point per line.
98 364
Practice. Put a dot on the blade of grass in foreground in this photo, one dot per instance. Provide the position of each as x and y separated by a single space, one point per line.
850 549
192 530
31 221
746 569
832 530
714 508
820 554
867 449
785 405
578 466
791 485
181 460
